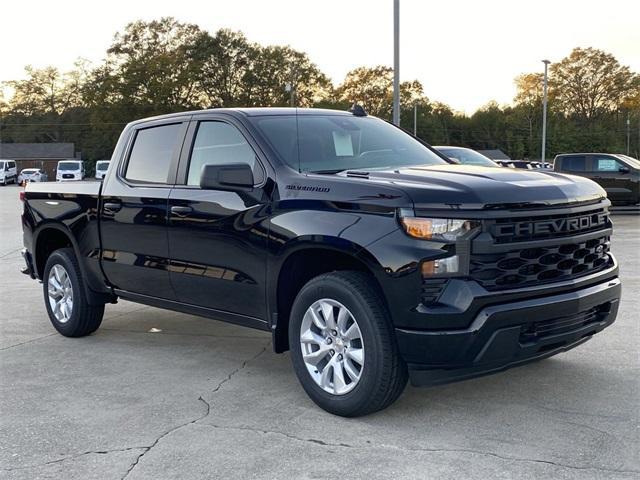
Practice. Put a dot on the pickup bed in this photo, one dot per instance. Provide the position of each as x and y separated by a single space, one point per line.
366 253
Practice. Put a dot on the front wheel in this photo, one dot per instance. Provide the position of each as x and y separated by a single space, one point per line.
343 347
65 298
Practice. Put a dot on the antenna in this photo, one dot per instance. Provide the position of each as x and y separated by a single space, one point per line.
358 110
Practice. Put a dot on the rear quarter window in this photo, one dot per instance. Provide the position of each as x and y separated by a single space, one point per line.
151 154
576 163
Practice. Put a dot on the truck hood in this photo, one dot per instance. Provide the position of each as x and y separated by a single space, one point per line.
474 187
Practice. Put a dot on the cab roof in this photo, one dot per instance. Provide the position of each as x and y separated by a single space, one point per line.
250 112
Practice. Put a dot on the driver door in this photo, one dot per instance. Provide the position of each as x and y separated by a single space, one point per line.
609 172
218 239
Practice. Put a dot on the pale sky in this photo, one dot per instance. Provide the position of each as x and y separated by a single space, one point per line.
465 52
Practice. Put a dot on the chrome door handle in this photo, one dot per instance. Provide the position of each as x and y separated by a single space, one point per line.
181 210
112 207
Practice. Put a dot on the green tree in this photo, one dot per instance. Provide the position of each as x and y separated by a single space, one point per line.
227 60
528 108
155 66
372 87
275 67
589 83
46 90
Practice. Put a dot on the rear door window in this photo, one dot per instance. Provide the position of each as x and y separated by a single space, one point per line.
576 163
152 152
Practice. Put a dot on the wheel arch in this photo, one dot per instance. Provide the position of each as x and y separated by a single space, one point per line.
48 238
304 261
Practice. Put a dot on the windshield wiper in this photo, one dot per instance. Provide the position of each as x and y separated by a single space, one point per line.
328 172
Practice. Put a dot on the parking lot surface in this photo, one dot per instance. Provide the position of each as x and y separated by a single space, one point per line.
205 399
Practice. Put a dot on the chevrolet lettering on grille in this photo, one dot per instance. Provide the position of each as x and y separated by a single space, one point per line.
544 227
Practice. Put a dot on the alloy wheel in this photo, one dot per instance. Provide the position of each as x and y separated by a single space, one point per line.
60 291
332 346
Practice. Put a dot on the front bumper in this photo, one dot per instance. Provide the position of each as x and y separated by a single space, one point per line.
509 334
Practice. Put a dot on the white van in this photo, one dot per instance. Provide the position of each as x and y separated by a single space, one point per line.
69 170
8 172
101 168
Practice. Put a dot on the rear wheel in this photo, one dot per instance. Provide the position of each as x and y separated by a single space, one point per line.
65 297
342 345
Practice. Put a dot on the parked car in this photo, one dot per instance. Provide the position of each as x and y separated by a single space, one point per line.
618 174
524 164
505 163
8 172
68 170
32 175
535 164
101 168
358 247
466 156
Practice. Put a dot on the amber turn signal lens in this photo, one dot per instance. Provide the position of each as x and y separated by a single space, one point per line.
418 227
428 268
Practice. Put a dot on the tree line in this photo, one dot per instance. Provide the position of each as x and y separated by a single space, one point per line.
165 66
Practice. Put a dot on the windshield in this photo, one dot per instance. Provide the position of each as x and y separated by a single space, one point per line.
466 156
29 170
632 161
68 166
332 143
102 166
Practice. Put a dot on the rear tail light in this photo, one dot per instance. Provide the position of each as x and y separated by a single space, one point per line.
22 192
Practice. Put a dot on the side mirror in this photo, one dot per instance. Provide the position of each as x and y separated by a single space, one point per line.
624 170
232 177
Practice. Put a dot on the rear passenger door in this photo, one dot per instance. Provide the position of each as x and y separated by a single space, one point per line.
577 165
135 250
218 239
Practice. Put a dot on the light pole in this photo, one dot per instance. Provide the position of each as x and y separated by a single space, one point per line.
544 111
628 135
415 119
396 62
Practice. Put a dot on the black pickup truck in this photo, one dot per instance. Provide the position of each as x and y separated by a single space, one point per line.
366 253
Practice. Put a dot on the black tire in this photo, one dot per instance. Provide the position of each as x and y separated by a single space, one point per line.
384 374
85 318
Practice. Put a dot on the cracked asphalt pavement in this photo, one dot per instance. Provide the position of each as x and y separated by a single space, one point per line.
205 399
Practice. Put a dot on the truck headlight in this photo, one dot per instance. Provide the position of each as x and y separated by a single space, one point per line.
439 229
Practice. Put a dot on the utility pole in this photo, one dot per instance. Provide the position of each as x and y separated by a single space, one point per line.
396 62
415 119
289 89
544 111
628 134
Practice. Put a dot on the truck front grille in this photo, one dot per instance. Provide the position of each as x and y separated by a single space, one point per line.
533 266
559 225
